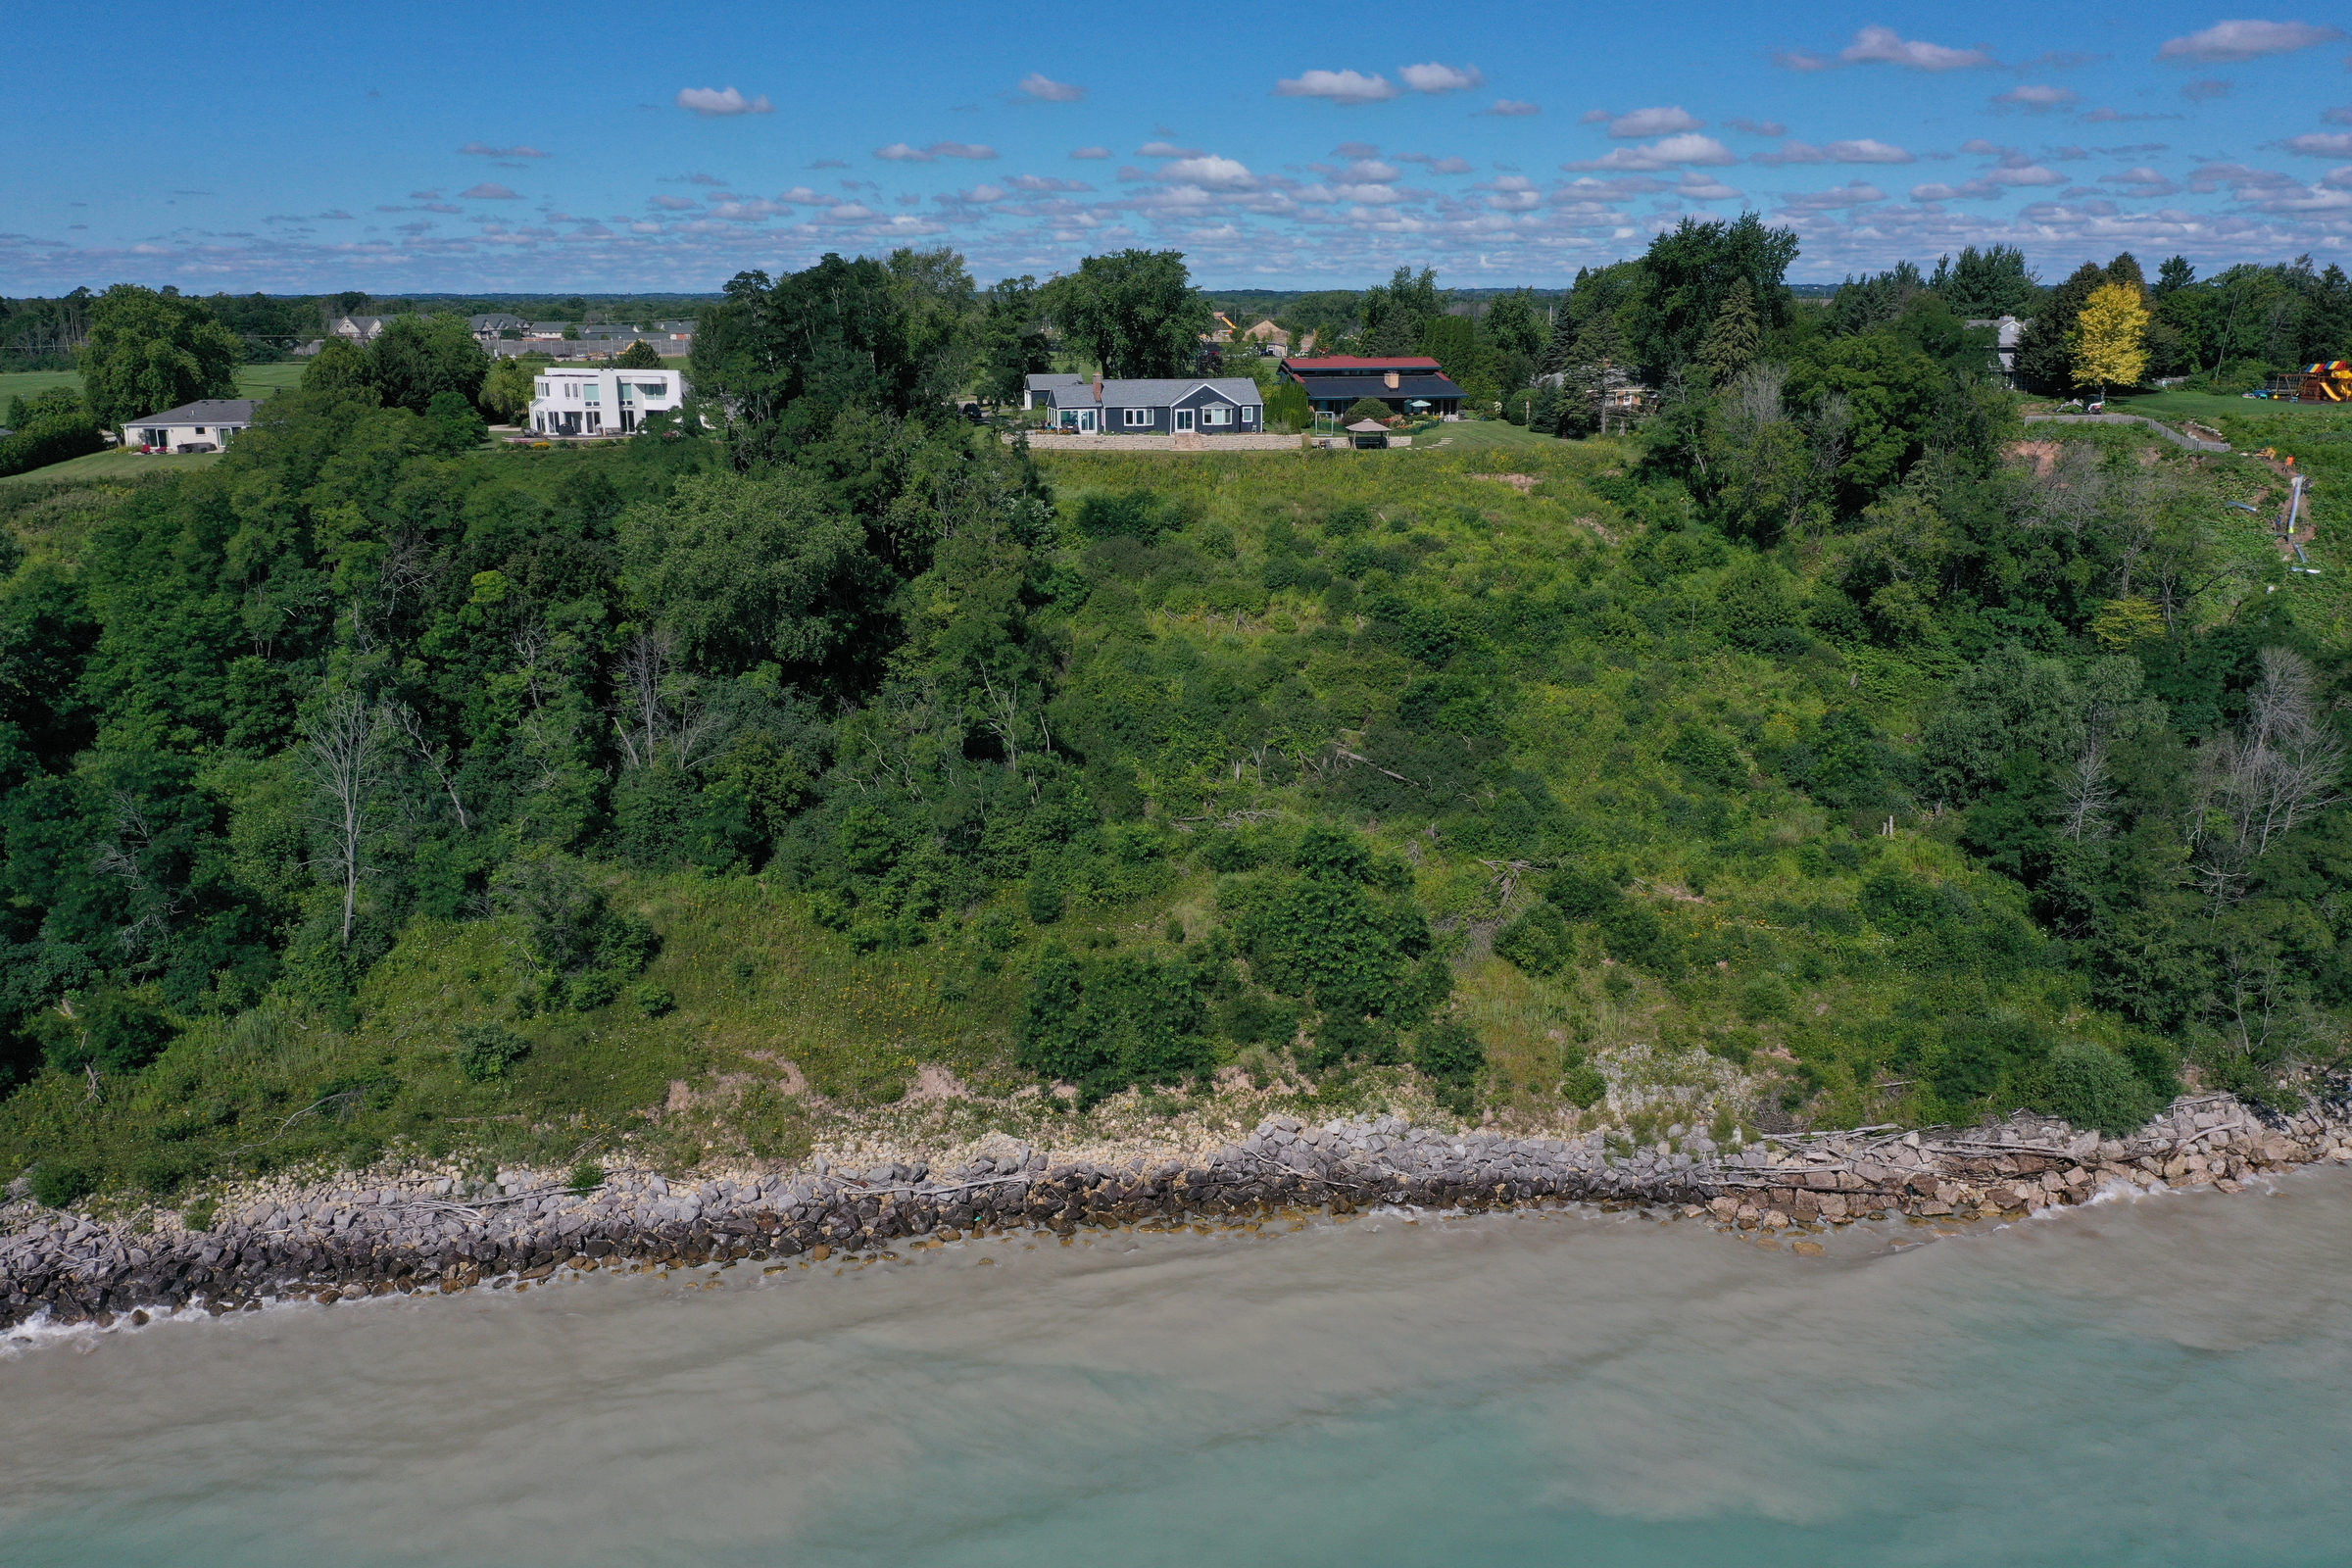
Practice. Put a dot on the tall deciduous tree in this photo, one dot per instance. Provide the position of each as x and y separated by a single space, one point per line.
1985 284
1135 312
420 356
639 355
1398 313
2111 338
1690 270
148 352
748 570
1013 342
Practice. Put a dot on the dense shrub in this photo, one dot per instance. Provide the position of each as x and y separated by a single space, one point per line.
487 1052
2091 1086
1538 942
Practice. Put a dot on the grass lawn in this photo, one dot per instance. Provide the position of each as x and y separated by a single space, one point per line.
117 464
1484 435
25 383
2210 408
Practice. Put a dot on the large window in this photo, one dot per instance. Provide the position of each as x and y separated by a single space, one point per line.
592 392
1214 415
1138 417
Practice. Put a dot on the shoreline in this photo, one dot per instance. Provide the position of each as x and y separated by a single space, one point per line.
429 1230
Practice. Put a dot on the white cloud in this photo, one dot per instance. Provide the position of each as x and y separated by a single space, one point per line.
803 196
716 101
1222 173
1043 183
1885 46
2320 144
1653 123
1037 84
1090 152
1799 60
1512 109
1758 127
1864 151
2337 117
2033 100
1669 153
1855 193
1697 187
1436 166
478 149
1595 116
897 152
1512 193
2246 40
1339 86
674 204
2142 183
1433 78
1165 149
490 192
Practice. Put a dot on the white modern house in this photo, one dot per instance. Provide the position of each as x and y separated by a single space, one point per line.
584 400
204 425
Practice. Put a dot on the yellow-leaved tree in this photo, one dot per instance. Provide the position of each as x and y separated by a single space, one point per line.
2111 338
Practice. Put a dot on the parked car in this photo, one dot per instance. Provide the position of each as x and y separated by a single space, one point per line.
972 412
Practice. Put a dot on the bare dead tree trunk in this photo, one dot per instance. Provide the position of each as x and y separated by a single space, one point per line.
2254 787
343 755
435 758
643 672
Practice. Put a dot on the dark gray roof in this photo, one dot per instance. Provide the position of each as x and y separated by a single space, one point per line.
206 412
1045 380
1359 386
1155 394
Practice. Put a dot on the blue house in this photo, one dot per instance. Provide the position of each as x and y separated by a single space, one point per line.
1187 405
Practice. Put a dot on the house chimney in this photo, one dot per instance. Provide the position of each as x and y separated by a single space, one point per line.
1391 379
1097 387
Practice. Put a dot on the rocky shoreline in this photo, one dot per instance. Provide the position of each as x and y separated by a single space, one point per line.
435 1231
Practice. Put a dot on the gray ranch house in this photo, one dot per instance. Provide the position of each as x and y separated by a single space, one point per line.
204 425
1187 405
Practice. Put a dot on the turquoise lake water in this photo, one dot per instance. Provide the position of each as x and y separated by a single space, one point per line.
2163 1382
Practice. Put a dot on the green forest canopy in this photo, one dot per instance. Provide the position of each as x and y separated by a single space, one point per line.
1810 735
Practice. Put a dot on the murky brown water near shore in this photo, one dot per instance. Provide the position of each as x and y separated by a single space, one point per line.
2167 1380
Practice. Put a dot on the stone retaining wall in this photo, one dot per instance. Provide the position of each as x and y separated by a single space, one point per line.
1041 441
433 1233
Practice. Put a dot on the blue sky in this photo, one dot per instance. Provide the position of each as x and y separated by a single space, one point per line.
436 147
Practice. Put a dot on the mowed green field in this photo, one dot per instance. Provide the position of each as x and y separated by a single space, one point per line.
2208 407
115 465
252 381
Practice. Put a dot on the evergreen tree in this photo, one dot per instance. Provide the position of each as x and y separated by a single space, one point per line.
1731 343
2174 276
2045 354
